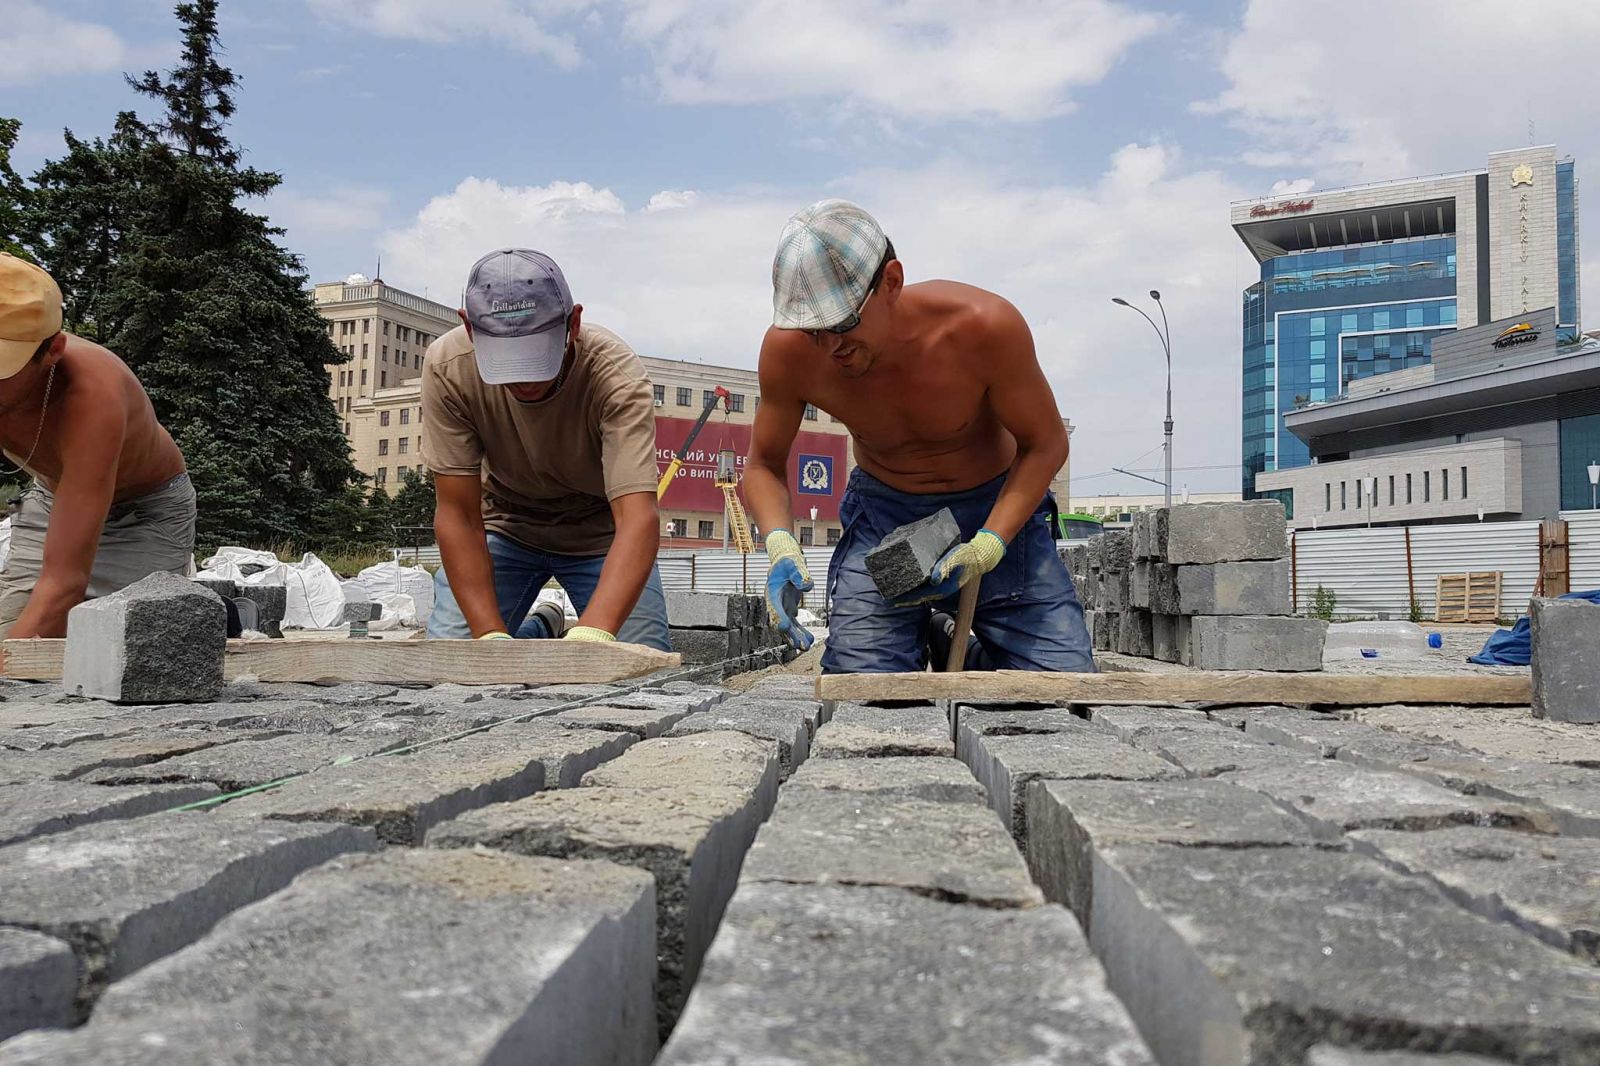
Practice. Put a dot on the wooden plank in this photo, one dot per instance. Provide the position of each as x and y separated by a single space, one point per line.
466 662
1195 686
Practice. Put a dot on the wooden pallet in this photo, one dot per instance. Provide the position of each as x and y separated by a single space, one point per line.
1189 686
432 662
1471 597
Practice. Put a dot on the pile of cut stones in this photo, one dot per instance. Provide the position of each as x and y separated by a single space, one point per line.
662 871
1205 585
724 627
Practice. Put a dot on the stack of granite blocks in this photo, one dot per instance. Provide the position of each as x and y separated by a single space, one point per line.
1205 585
724 627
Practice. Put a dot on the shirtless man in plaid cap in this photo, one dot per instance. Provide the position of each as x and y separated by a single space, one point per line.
947 406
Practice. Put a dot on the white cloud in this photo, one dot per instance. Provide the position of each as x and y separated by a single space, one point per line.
935 59
1292 186
38 43
1357 90
522 25
930 60
693 282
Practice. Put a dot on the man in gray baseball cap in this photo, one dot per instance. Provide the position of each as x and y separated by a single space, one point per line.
947 406
540 432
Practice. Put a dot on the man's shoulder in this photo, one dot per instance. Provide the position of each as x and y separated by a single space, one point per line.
613 361
449 359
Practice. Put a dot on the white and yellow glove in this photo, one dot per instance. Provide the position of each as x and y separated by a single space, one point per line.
498 634
961 564
786 580
589 634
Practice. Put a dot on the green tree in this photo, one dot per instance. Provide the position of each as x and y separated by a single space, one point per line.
414 503
160 262
13 194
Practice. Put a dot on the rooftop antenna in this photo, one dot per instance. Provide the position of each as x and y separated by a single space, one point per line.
379 275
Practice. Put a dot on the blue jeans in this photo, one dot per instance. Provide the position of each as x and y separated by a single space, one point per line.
520 572
1028 617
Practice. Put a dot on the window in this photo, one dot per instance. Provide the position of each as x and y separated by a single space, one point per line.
1360 486
807 537
1391 490
347 429
1444 483
363 351
383 418
383 475
383 446
1463 483
833 535
419 444
363 375
1327 496
400 472
661 394
366 325
383 379
1427 490
405 445
685 397
386 329
384 353
416 361
707 396
737 400
405 416
1408 488
1343 499
707 529
811 413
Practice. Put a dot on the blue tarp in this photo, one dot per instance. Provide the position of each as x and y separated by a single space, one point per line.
1514 646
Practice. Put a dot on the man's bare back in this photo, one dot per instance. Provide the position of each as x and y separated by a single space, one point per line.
91 377
921 418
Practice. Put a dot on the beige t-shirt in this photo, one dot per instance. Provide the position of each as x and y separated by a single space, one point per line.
550 469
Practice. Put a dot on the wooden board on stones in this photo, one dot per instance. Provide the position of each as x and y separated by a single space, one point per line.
464 662
1191 686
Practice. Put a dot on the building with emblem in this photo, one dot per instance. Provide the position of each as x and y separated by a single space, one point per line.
1360 282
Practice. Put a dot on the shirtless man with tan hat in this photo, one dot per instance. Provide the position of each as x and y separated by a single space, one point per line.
111 502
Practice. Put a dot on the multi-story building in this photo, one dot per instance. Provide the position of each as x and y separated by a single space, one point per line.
1504 423
381 407
384 331
1359 281
1116 512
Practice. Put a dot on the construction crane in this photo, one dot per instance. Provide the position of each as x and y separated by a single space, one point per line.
726 474
688 442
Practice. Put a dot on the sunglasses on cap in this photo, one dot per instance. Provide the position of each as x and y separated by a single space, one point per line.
855 316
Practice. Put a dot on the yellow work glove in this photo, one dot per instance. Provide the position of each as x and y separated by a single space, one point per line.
787 579
498 634
961 564
588 633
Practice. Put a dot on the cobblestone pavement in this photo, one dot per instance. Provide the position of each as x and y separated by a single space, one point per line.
684 874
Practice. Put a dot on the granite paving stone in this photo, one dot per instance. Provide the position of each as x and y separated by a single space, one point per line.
1208 753
1547 885
919 777
413 957
718 759
860 731
646 724
1254 955
975 722
159 640
951 851
243 765
124 899
871 976
903 560
38 982
104 760
1323 1055
1511 732
39 808
788 723
1129 723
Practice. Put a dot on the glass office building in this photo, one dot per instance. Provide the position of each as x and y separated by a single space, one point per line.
1358 282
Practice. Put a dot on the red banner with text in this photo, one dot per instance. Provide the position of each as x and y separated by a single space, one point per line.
816 466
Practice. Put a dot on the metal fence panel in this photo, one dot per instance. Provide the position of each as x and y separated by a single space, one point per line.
1583 549
716 571
1366 568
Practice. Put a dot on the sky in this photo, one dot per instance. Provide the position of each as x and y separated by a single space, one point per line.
1058 152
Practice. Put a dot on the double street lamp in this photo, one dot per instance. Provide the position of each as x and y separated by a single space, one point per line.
1165 336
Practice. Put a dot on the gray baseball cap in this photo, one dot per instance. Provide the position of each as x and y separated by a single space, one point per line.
517 302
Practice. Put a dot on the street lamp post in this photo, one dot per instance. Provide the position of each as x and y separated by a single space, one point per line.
1594 484
1164 334
1372 490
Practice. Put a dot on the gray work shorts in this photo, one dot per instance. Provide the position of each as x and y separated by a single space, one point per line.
141 536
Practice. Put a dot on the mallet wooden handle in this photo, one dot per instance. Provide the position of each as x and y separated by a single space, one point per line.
964 614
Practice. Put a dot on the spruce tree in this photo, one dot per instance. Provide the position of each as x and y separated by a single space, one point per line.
160 263
13 194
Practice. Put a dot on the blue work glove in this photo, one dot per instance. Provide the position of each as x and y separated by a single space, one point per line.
787 579
961 564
